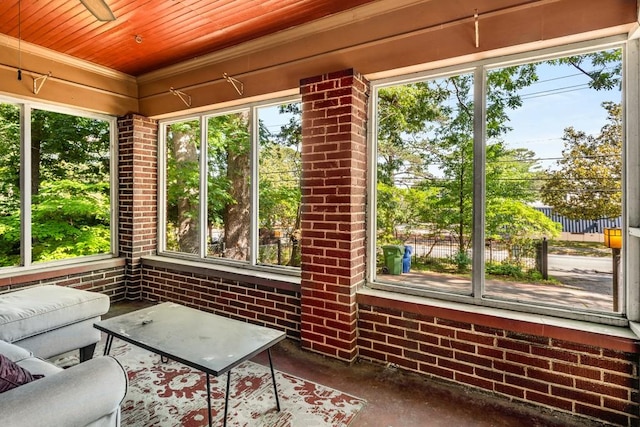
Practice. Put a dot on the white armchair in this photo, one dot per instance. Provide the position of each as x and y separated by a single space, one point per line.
87 394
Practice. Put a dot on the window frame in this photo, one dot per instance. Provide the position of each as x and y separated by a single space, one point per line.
251 264
26 107
630 307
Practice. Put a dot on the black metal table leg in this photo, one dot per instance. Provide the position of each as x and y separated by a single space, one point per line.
226 398
209 399
273 377
107 345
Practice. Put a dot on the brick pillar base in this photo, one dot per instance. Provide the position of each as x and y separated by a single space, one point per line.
137 195
334 112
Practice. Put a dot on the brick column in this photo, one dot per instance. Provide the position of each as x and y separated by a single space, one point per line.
334 112
137 193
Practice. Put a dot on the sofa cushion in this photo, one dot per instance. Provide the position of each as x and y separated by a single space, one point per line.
32 311
12 375
13 352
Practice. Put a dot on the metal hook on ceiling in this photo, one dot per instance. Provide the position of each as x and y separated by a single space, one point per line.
237 84
183 96
38 82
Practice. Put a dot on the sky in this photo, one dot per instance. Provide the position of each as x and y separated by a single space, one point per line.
558 100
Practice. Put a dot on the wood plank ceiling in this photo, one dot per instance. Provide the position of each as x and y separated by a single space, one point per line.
167 31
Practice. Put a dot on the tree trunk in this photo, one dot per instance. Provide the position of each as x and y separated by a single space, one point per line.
296 237
237 215
186 155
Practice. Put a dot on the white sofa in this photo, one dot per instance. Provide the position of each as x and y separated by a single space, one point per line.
50 320
87 394
45 321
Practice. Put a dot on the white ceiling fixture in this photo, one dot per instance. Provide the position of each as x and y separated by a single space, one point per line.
100 10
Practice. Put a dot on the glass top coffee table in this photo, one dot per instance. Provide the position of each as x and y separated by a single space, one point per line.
210 343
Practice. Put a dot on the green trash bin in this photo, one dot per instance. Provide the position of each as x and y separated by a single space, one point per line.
393 258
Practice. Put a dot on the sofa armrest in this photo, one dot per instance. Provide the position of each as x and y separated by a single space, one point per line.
74 397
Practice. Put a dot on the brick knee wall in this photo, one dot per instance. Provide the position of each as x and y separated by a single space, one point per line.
274 307
585 380
108 280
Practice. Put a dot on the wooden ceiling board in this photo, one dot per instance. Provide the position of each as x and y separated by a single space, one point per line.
172 30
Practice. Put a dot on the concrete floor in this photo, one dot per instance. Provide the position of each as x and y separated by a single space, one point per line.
397 398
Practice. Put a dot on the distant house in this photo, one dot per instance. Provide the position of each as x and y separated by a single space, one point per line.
581 226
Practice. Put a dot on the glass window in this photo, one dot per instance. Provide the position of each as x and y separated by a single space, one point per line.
279 194
183 187
10 219
70 186
65 167
425 183
548 158
241 221
229 186
554 181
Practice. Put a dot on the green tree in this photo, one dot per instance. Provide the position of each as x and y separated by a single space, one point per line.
280 174
425 142
434 151
183 186
586 183
70 185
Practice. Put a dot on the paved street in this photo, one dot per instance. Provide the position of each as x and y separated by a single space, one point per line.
585 282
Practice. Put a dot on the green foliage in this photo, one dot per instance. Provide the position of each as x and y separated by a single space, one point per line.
69 219
462 261
504 269
587 182
514 222
70 186
426 156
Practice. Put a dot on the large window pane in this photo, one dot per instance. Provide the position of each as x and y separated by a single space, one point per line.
279 180
70 187
229 186
425 183
553 179
183 187
9 185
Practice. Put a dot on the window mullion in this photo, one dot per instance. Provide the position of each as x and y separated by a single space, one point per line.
254 186
25 185
479 138
631 156
204 175
162 188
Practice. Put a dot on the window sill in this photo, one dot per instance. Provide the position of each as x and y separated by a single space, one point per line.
617 338
23 275
228 272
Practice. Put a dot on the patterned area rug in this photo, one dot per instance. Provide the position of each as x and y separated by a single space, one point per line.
171 394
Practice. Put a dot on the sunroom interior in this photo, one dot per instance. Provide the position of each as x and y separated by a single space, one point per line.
285 163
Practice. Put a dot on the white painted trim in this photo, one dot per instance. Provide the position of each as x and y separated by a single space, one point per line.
479 181
25 185
61 58
114 181
204 188
162 187
631 179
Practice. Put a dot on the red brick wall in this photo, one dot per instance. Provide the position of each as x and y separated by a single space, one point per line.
108 279
585 379
272 306
137 210
334 110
